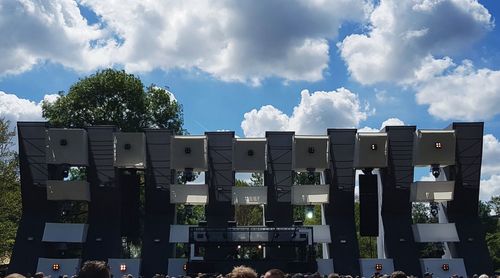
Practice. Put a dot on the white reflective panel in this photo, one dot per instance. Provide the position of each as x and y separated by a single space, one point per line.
65 232
179 233
321 233
68 267
67 146
436 232
310 194
188 152
58 190
434 147
249 155
309 152
325 266
176 267
369 266
455 266
120 267
192 194
432 191
370 150
249 195
259 236
130 150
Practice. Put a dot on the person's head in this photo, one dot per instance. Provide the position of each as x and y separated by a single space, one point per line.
398 274
483 276
39 275
15 275
333 275
94 269
274 273
242 272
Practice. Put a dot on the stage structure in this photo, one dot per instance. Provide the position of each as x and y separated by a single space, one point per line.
81 191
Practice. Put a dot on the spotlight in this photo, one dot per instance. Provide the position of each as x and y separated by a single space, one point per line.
378 267
123 267
56 267
436 170
184 267
373 147
434 209
309 212
238 247
127 146
259 246
438 145
445 267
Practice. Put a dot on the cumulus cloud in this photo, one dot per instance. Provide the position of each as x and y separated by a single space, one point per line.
466 93
489 188
14 109
313 115
404 38
388 122
55 31
243 41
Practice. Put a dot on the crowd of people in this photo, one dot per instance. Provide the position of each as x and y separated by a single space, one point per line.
99 269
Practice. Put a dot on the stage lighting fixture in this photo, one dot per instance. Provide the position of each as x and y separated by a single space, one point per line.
250 152
310 150
436 170
184 267
187 150
259 246
123 267
238 247
445 267
373 147
378 267
434 209
56 267
309 212
438 145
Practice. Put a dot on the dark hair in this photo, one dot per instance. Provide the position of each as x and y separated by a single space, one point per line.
94 269
275 273
398 274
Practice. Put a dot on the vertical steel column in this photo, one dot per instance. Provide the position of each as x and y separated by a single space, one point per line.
339 213
279 180
36 209
160 214
463 210
104 218
396 207
220 180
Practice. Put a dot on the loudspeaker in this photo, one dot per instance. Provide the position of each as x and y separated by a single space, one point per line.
368 205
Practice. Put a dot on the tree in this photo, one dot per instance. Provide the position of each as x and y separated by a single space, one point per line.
114 97
10 202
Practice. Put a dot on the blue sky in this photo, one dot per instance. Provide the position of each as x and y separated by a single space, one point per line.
244 65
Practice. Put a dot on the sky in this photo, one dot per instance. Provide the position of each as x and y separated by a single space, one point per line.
252 66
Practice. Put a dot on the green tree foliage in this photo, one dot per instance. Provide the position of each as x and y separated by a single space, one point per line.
114 97
10 202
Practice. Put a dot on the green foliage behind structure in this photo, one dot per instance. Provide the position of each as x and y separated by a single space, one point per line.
10 192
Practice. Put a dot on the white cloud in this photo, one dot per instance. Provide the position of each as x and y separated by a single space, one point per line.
243 41
465 93
491 156
313 115
388 122
405 36
489 187
14 109
55 31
